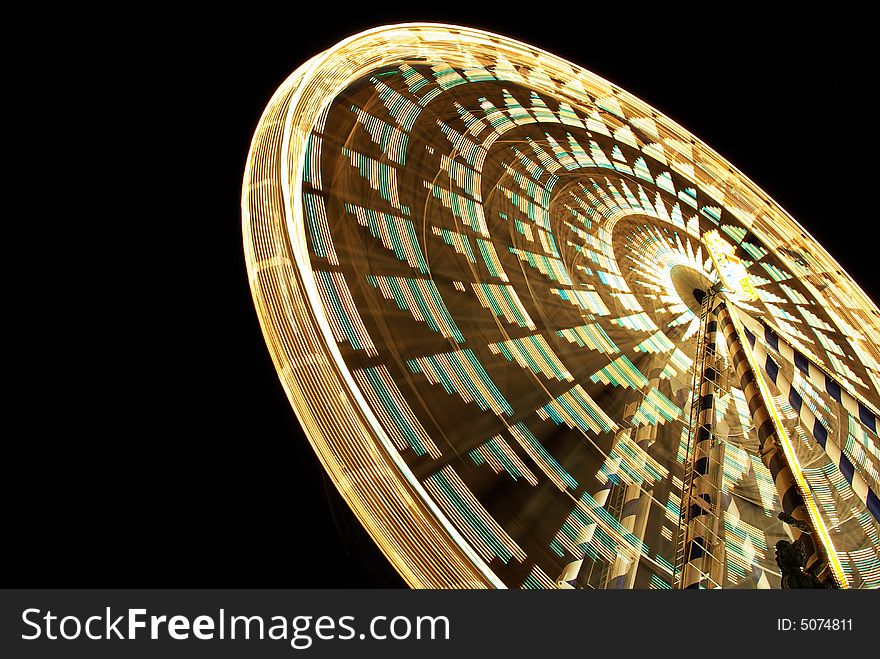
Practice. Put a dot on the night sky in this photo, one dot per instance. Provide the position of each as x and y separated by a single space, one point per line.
162 450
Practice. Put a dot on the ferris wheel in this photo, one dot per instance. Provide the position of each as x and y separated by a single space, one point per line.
541 336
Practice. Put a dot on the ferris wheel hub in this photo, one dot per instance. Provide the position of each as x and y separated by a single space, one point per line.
691 286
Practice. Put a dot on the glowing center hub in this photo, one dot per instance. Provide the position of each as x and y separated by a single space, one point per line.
690 285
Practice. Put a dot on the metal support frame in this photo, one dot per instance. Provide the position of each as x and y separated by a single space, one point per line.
693 556
777 454
697 551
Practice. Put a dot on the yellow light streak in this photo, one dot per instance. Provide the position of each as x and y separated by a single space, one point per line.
729 266
791 458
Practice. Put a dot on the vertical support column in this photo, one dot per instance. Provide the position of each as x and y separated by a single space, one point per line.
700 499
636 504
718 555
772 453
573 571
832 448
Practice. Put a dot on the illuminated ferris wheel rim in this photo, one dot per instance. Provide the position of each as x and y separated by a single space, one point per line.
301 99
329 61
398 44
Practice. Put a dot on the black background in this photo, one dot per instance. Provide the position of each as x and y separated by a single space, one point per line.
162 450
